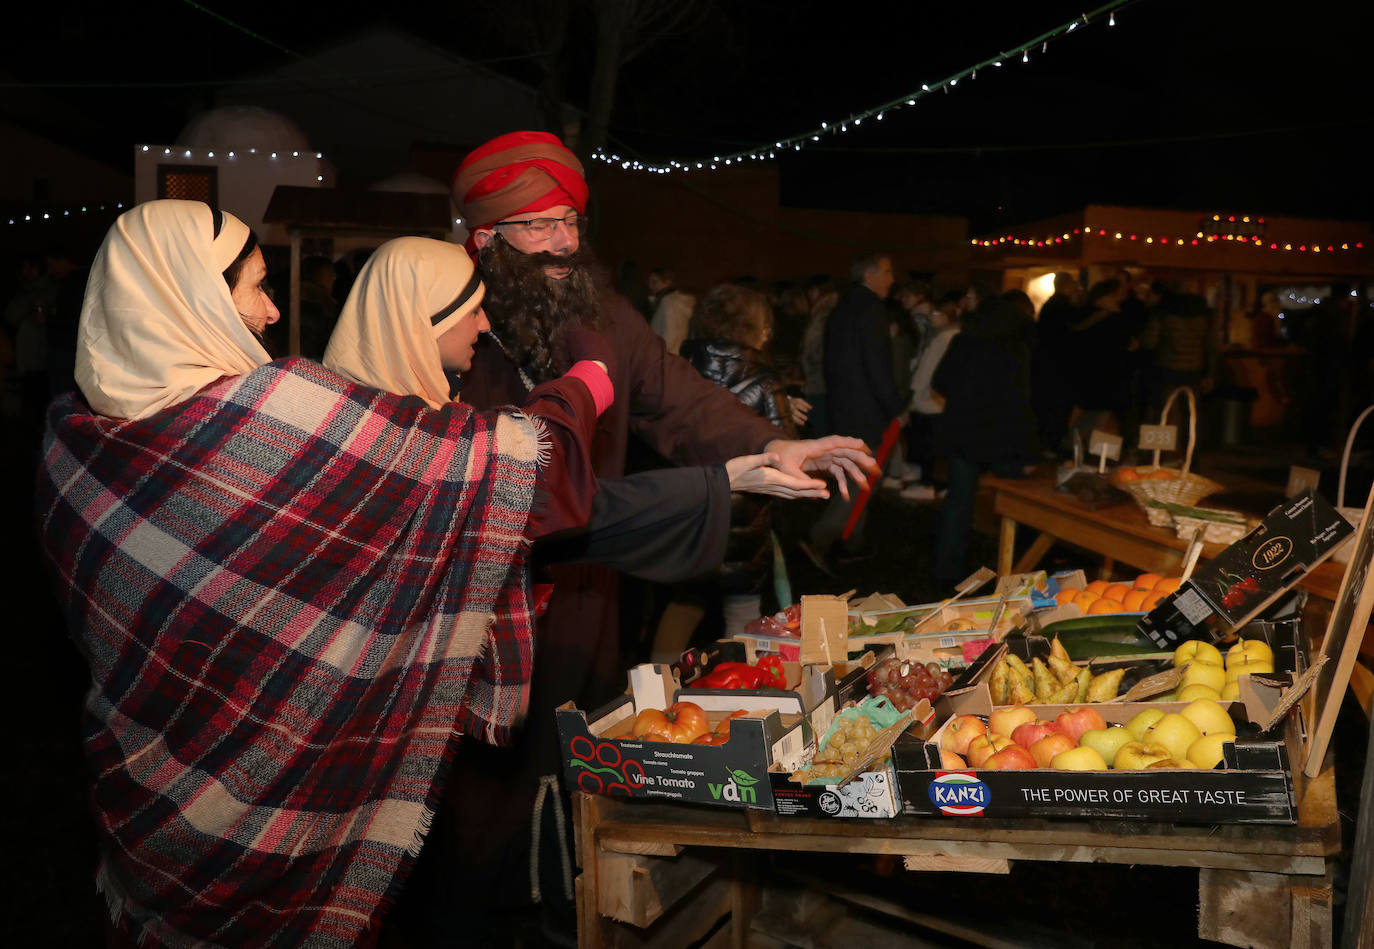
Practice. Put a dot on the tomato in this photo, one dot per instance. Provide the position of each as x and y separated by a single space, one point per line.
711 738
680 722
723 728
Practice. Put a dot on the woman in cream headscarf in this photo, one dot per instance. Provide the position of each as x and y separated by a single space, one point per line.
292 592
409 326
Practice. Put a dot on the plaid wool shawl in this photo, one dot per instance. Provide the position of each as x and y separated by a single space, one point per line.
285 588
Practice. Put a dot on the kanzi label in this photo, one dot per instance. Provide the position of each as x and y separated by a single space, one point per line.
737 789
959 794
1271 553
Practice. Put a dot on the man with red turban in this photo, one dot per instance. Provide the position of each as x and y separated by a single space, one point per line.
523 197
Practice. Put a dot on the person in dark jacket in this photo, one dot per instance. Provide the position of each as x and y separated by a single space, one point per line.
730 332
988 423
862 398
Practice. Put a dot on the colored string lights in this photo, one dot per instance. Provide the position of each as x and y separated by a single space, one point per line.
1194 237
800 140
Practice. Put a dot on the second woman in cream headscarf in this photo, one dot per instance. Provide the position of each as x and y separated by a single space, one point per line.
411 318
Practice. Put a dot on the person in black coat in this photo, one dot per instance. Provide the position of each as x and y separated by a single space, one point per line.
729 334
988 423
861 396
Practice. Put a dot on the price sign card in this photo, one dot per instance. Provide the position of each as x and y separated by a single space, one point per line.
824 630
1158 437
1104 445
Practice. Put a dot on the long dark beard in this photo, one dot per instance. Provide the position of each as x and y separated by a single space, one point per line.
529 310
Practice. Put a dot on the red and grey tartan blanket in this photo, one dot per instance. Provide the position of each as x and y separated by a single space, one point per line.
285 589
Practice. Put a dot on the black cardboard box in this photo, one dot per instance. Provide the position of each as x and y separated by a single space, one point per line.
1256 785
734 774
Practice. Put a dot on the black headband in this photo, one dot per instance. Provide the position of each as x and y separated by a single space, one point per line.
473 286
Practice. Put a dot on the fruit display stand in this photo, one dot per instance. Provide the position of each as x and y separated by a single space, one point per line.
1266 883
1259 885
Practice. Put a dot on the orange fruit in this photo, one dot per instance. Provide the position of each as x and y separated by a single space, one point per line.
1132 600
1127 474
1104 605
1152 599
1168 585
1097 586
1160 475
1117 591
1085 600
1147 581
1066 595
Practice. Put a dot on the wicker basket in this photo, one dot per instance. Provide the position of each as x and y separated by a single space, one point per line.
1184 487
1352 514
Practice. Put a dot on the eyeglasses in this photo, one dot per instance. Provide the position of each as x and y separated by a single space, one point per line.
542 228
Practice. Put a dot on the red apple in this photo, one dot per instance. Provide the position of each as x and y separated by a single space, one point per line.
949 761
984 747
960 731
1004 720
1013 757
1031 732
1076 721
1044 750
680 722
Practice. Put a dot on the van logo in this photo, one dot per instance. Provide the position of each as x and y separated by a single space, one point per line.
1272 552
959 794
738 789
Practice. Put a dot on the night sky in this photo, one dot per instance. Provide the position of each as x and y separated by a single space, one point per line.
1257 107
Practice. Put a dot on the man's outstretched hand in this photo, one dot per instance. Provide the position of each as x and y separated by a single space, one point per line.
758 474
839 456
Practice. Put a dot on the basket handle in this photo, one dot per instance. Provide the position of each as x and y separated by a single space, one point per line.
1345 457
1192 426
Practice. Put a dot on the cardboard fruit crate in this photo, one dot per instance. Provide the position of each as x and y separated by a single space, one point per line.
600 758
1254 786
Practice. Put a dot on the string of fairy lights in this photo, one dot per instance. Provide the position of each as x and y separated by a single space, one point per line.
839 126
171 152
1240 233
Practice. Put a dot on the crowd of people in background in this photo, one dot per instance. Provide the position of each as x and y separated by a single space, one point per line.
974 379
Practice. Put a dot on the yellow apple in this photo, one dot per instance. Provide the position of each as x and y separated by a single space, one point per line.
1241 664
1174 732
1255 648
1203 673
1081 758
1137 755
1106 741
1195 650
1206 751
1209 717
1174 763
1231 691
1142 721
1196 691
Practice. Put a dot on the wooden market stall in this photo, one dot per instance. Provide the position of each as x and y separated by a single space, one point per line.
657 873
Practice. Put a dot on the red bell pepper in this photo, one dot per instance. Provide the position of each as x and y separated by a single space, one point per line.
768 674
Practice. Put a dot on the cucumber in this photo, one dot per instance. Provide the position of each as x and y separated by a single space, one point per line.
1110 635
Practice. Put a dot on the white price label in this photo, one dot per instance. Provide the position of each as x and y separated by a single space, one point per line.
1192 606
1158 437
1105 445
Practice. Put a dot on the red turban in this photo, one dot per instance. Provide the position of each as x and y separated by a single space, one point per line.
518 173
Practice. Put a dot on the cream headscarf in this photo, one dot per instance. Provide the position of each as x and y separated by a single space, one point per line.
158 324
386 334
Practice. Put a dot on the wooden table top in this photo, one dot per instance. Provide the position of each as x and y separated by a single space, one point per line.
1128 520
